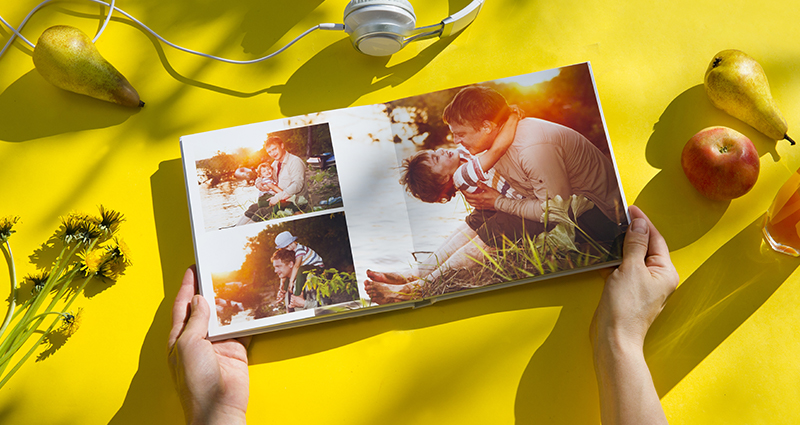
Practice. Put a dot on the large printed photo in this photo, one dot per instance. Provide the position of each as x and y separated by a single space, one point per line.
518 177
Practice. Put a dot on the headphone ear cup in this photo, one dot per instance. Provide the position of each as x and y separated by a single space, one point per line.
378 27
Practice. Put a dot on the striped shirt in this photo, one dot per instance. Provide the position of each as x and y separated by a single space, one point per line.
468 175
310 258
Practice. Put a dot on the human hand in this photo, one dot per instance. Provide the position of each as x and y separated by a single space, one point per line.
635 292
211 378
483 200
297 301
516 112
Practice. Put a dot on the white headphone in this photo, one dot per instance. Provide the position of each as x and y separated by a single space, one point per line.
376 27
383 27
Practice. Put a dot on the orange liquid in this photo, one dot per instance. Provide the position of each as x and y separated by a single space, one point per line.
782 225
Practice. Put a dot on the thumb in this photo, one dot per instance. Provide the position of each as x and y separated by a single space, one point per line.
637 241
197 325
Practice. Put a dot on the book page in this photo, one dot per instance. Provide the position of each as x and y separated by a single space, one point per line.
346 214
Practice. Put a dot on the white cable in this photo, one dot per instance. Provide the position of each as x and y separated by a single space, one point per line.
112 8
17 32
105 23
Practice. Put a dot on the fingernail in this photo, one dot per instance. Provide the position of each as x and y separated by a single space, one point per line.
638 225
195 300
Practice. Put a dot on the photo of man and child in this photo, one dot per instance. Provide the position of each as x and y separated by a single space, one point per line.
290 266
284 173
543 198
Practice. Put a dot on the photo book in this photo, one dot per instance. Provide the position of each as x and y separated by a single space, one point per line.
401 204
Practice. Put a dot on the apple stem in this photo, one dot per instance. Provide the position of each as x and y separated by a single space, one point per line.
786 136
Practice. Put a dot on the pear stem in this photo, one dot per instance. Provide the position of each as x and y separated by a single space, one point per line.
786 136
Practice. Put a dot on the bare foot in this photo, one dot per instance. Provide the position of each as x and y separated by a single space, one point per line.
390 277
384 293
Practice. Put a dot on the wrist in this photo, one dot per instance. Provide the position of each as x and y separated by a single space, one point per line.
218 416
616 343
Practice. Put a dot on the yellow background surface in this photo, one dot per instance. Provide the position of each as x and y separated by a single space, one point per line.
723 351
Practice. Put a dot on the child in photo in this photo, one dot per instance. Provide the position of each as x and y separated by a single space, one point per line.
265 183
305 260
436 175
267 188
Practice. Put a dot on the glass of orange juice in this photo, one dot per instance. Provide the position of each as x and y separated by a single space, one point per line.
782 225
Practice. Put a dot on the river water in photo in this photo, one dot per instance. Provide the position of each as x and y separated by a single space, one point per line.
225 204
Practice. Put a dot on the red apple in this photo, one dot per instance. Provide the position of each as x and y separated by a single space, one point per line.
721 163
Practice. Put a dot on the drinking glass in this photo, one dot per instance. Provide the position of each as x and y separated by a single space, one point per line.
782 224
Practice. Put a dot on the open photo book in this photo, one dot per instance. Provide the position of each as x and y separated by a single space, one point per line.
372 208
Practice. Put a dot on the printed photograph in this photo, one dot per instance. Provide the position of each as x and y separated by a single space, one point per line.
268 176
505 180
295 265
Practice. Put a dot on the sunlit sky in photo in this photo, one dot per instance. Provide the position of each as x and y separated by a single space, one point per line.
531 79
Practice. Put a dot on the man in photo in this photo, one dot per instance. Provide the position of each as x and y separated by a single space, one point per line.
544 160
289 174
283 262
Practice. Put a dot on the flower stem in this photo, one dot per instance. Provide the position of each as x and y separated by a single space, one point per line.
23 328
13 272
41 338
26 327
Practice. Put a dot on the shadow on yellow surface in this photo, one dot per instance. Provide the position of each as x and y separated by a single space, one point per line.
151 397
712 303
675 207
348 76
32 108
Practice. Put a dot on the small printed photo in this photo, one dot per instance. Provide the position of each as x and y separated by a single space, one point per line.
280 174
505 180
297 265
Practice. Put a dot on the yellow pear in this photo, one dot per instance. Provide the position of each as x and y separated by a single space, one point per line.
736 83
67 58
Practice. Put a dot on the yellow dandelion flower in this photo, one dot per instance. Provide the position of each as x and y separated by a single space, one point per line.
114 268
37 281
70 323
109 220
122 251
80 227
93 261
6 224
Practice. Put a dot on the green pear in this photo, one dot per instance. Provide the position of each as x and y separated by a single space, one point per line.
736 83
67 58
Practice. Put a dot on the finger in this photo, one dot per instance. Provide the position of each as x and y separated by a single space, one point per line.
637 241
197 326
180 309
657 251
